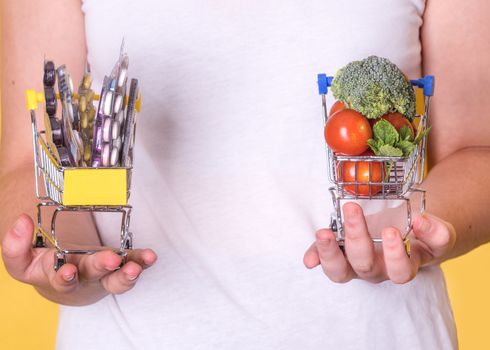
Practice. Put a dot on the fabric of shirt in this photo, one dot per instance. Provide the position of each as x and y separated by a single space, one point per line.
230 179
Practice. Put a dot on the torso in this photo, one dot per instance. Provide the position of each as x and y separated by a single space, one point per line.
230 178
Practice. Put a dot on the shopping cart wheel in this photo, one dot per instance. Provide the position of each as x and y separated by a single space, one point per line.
59 260
39 242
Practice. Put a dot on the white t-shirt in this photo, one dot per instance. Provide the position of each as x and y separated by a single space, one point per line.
230 179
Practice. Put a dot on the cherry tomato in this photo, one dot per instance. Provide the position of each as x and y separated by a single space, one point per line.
347 132
396 119
347 173
337 106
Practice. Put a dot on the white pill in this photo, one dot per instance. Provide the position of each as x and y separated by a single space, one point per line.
108 103
117 143
106 152
122 76
120 117
114 156
106 130
115 130
118 104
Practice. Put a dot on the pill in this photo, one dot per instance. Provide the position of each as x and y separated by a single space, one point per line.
84 120
90 96
120 117
87 81
91 114
122 76
87 153
115 130
106 130
114 156
117 143
82 103
108 103
118 103
91 130
106 152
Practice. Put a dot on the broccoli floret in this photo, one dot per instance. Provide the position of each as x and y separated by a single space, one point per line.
374 87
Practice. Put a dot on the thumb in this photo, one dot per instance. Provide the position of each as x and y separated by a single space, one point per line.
438 234
17 247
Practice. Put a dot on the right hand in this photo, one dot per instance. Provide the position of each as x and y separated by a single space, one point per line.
83 280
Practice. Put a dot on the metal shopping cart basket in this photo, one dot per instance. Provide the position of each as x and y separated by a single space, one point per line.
75 189
396 178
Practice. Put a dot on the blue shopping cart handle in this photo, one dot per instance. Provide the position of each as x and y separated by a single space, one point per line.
426 83
323 83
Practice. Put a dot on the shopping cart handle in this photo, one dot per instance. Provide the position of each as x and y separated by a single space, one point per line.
426 83
323 83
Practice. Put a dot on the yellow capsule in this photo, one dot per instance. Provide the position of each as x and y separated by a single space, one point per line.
90 96
84 119
91 113
87 81
86 153
82 102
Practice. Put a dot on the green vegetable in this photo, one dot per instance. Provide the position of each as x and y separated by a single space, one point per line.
406 134
385 132
388 142
390 151
374 87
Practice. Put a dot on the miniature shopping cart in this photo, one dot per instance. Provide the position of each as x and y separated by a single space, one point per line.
399 183
75 189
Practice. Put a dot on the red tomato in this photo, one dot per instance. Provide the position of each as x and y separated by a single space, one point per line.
347 132
337 106
347 173
396 119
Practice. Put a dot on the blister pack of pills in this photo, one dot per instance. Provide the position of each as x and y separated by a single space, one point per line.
82 133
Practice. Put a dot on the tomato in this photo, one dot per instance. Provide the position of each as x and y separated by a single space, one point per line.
337 106
347 132
396 119
347 173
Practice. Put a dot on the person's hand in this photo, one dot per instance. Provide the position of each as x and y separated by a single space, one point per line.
83 280
431 241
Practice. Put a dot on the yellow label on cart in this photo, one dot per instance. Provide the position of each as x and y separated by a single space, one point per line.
85 186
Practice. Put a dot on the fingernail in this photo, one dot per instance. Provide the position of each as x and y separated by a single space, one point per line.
19 227
322 236
69 277
324 242
148 262
112 268
132 277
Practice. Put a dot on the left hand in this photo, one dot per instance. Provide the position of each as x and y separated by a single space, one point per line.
431 240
